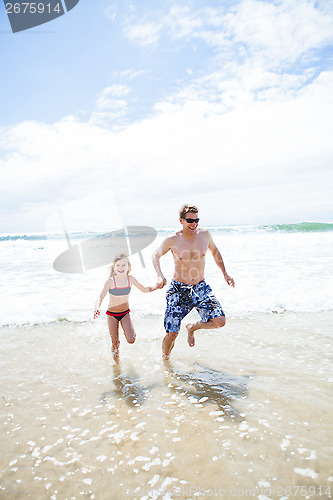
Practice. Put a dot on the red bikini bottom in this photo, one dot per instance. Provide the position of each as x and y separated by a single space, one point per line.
118 315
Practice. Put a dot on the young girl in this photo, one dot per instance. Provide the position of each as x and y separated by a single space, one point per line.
119 286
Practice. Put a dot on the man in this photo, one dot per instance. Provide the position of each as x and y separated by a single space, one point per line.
188 288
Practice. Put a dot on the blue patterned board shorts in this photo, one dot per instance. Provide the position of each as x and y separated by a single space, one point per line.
181 299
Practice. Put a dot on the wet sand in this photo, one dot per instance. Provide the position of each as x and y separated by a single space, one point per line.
247 412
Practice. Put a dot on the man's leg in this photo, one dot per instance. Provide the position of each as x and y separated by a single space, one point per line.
210 310
168 343
175 311
218 322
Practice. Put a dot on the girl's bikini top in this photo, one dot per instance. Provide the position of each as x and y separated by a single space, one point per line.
118 290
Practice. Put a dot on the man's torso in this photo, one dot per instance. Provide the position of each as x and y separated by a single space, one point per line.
189 256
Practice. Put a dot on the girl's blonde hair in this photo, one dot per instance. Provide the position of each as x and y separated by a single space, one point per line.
117 259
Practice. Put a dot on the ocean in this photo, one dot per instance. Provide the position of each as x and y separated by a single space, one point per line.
245 413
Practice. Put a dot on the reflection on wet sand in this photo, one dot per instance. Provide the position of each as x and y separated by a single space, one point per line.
207 385
126 387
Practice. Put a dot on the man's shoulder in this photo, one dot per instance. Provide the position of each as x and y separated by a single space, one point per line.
170 240
175 235
204 232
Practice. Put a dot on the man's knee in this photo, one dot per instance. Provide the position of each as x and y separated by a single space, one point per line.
218 322
172 335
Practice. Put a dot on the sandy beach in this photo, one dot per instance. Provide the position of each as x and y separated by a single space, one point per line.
245 413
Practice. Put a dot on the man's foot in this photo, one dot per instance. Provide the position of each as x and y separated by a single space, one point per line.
166 357
190 334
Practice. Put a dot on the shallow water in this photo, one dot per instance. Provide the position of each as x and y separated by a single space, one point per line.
274 271
245 413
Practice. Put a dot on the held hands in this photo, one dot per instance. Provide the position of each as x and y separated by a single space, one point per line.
159 284
229 280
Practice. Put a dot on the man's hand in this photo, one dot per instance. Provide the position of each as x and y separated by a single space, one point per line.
229 280
161 282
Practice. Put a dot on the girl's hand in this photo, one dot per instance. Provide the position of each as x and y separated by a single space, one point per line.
97 312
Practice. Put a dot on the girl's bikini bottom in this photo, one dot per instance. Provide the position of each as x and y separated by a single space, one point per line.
118 315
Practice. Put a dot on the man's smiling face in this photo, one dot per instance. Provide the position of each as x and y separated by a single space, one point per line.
190 222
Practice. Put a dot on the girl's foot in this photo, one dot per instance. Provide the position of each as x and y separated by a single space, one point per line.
115 354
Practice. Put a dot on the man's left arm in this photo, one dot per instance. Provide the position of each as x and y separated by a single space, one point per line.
219 261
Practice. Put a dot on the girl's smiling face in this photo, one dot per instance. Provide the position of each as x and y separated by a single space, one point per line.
121 266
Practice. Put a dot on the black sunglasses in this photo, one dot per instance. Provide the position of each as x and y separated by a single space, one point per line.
190 221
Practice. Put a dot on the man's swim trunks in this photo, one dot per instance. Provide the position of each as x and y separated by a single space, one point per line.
181 299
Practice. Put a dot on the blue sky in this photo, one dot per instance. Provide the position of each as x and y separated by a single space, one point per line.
145 105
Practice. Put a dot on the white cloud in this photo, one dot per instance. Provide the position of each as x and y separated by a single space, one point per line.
131 74
278 32
254 44
144 34
111 12
283 31
96 211
109 98
182 23
282 150
110 105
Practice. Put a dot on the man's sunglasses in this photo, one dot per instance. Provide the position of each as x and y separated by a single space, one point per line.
190 221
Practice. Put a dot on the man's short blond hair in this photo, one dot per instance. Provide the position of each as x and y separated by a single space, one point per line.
185 209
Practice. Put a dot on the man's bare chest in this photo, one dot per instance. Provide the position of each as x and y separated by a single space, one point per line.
190 252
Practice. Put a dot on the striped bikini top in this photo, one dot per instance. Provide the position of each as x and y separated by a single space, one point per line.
120 290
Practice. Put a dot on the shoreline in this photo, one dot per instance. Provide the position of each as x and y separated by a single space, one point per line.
299 225
139 315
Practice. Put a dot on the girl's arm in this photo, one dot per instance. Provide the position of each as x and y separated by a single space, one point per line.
144 289
100 298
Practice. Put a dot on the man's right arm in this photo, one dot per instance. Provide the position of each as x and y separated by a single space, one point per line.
161 250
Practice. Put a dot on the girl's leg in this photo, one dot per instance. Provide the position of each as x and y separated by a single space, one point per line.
113 325
128 328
